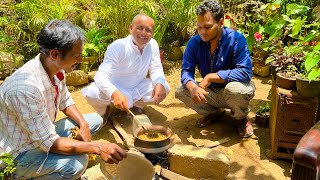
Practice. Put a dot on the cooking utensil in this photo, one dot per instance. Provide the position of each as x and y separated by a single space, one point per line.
148 132
154 146
137 119
132 167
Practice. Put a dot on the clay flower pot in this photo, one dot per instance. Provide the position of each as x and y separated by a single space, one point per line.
285 82
308 88
261 119
261 69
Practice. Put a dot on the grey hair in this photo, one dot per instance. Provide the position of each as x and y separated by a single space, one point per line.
60 35
212 6
142 15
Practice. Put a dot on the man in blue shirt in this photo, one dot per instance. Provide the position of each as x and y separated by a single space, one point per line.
223 59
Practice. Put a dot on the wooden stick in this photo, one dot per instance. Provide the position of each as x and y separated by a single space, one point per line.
169 174
137 120
128 140
217 143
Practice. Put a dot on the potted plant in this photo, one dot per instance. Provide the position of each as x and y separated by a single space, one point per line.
277 25
263 114
308 84
286 67
93 49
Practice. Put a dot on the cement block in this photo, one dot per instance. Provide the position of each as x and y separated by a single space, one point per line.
198 162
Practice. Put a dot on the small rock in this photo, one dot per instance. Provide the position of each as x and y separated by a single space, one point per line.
76 78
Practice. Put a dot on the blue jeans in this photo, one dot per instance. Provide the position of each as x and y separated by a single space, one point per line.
56 166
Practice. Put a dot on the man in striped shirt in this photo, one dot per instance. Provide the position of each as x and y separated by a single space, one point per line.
29 101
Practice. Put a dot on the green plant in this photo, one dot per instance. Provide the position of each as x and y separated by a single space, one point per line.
277 28
263 110
7 43
174 19
260 21
117 15
288 63
94 48
312 64
9 165
97 41
303 57
26 18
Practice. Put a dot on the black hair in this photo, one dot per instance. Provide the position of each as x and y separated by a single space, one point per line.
212 6
60 35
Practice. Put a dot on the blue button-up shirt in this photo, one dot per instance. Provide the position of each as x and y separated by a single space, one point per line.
232 61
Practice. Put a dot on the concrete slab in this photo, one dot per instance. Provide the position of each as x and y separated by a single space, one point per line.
198 162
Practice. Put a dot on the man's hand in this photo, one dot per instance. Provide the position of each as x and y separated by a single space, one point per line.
120 101
198 95
111 153
84 134
205 82
81 134
158 94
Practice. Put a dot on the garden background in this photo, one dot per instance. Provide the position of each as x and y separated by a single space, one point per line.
281 34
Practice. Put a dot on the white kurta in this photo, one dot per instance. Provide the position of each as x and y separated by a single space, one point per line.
125 69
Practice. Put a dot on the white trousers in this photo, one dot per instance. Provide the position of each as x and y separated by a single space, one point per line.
141 93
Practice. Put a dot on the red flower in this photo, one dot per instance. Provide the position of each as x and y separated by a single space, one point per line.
60 75
227 17
257 36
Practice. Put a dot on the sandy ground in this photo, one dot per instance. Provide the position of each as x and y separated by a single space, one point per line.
247 156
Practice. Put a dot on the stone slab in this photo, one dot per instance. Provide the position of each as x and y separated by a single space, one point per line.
198 162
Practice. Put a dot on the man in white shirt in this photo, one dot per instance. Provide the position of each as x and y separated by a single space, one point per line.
122 77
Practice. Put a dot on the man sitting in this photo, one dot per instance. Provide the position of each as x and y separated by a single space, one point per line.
121 78
224 62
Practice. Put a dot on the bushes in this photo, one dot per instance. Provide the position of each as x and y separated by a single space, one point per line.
22 20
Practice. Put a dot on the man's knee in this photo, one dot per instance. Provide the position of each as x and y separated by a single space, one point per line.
95 121
180 92
75 167
238 88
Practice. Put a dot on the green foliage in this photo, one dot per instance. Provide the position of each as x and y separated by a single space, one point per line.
117 15
175 18
312 64
264 109
97 41
22 20
26 18
288 63
7 43
9 164
276 25
94 48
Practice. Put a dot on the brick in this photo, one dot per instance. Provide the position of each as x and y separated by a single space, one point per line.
198 162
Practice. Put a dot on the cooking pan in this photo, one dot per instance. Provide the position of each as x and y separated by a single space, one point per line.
154 146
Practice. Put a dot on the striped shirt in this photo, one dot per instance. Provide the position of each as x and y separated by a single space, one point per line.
28 107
